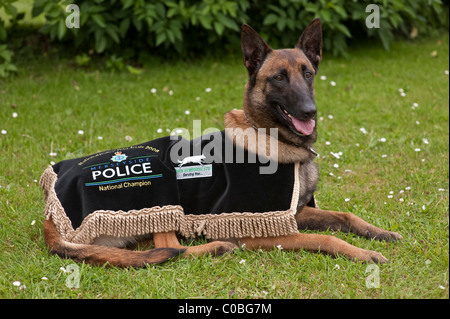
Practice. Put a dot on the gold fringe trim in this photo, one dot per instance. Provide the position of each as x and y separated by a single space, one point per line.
168 218
238 225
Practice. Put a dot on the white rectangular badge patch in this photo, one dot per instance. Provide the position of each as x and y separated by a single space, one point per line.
197 171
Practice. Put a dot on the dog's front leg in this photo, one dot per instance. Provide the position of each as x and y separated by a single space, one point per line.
316 243
170 240
318 219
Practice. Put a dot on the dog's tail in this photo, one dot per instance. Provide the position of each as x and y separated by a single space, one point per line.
100 255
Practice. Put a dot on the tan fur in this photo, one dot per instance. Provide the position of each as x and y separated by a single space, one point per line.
287 153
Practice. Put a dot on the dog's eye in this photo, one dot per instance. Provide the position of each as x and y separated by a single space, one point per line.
278 77
308 75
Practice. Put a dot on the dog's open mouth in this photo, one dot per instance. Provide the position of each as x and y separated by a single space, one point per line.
299 127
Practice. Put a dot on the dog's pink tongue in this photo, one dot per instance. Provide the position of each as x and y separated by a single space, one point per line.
305 127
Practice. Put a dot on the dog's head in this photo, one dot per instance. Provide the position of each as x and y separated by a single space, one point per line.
280 90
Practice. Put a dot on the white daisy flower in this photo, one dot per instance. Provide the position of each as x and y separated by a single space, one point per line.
207 90
337 155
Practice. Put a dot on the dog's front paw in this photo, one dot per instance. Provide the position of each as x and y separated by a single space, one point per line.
391 236
369 256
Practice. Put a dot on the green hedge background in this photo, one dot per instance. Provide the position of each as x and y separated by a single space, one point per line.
123 28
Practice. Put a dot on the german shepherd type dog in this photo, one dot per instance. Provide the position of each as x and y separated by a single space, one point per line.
279 94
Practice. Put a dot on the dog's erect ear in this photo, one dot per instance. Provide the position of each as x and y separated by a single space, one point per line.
310 42
254 49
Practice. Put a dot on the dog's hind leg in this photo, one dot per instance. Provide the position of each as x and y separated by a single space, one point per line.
100 255
318 219
170 240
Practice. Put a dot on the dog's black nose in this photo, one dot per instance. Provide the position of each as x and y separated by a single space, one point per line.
309 111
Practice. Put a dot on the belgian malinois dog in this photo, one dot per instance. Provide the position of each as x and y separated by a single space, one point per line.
279 94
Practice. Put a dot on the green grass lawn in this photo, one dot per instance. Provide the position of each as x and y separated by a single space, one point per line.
392 171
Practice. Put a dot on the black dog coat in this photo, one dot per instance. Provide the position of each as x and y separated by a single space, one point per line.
155 187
